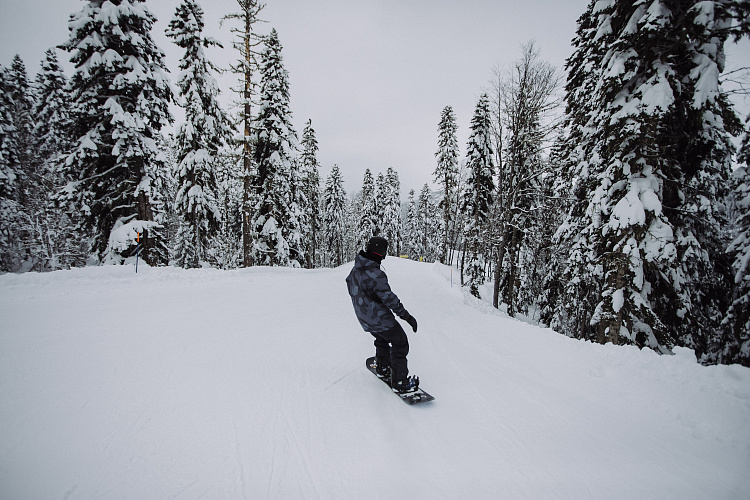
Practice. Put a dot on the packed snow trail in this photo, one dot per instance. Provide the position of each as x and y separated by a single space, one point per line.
251 384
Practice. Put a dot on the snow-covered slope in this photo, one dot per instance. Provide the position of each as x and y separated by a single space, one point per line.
251 384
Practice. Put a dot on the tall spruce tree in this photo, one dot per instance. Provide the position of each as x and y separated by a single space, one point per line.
648 157
11 212
120 95
369 220
446 174
52 142
411 239
311 188
246 43
52 110
334 217
428 226
735 346
229 180
275 224
24 102
576 181
478 197
29 182
391 211
205 130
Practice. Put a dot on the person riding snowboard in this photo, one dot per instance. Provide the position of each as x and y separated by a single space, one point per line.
373 302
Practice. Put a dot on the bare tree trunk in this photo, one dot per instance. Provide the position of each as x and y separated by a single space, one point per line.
463 261
245 43
502 247
609 327
511 290
247 152
144 211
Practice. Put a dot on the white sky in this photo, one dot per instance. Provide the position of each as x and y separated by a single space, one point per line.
373 75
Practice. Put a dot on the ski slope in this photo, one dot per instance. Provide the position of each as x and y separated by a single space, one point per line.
251 384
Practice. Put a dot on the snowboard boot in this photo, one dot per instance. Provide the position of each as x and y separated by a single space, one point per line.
409 384
383 371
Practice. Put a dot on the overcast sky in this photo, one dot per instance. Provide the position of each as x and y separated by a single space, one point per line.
372 75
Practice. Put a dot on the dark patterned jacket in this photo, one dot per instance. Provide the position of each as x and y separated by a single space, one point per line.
372 297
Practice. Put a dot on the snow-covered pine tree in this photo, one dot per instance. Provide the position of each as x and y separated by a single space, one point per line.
480 189
11 212
649 156
300 211
310 174
275 223
227 249
696 194
29 180
381 197
428 226
246 43
350 245
334 217
575 181
446 174
735 347
205 130
369 218
120 96
24 102
52 110
410 235
391 211
51 133
743 155
551 256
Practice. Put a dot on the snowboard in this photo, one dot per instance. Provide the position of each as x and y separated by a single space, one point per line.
410 398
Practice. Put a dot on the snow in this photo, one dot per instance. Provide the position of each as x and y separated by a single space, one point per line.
707 73
125 235
251 383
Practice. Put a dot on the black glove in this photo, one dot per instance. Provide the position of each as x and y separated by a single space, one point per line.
413 322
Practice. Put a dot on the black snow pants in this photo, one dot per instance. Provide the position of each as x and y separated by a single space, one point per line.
391 348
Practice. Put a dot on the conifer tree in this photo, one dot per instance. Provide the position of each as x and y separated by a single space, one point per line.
446 173
311 188
334 216
246 43
227 249
11 212
275 223
478 197
428 226
28 179
411 238
391 211
571 316
52 110
53 141
369 221
205 131
120 94
735 346
23 101
649 159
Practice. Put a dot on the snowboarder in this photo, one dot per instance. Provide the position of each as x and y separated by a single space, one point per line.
373 302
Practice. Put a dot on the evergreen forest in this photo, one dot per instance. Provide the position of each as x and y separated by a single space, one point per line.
608 200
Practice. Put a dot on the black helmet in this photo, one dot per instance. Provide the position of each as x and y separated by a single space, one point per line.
377 245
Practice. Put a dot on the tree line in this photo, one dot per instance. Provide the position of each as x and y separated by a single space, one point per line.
627 220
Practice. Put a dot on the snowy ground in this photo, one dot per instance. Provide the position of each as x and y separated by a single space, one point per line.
251 384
